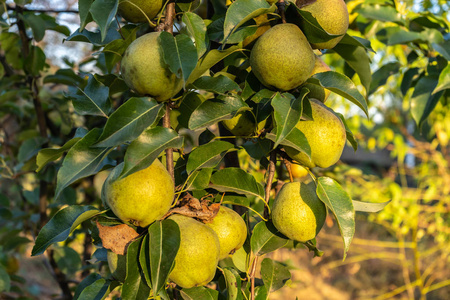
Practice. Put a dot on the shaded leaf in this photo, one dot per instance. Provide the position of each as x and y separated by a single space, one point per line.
423 101
103 12
340 204
5 281
348 133
296 139
381 75
146 148
233 281
274 274
218 85
444 80
196 28
93 100
384 13
199 179
134 286
199 293
61 225
84 7
48 155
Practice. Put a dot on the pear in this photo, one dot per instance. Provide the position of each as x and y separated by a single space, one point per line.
298 171
332 15
117 265
142 197
231 230
325 134
282 57
198 255
137 11
315 91
144 70
244 124
297 212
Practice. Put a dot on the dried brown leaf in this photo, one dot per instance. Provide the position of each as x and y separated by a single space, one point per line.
116 238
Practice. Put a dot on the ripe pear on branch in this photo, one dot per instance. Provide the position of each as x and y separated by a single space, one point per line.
326 136
139 11
144 70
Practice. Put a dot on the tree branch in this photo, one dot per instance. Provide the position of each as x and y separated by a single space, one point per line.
271 173
70 11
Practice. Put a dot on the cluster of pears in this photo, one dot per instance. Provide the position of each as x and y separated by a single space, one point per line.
283 59
146 196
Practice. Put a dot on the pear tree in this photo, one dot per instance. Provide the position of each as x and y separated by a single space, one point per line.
189 129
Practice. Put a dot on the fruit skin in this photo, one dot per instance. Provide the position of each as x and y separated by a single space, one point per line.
282 57
231 230
117 265
144 70
244 124
132 11
315 91
198 255
298 171
326 137
142 197
297 212
332 15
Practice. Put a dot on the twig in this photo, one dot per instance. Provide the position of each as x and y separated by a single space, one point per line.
120 28
252 277
281 9
70 11
271 170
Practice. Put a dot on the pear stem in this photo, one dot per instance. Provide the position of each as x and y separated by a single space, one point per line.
169 151
289 169
252 277
281 9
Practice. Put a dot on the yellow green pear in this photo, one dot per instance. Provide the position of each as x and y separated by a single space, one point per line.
282 57
244 124
231 230
315 91
326 137
117 265
298 171
137 11
198 255
297 212
142 197
332 15
144 71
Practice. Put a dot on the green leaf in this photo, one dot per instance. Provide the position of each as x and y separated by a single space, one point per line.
349 133
215 110
98 290
261 293
199 179
287 113
369 206
357 58
356 41
341 85
396 35
199 293
238 181
61 225
93 100
340 204
146 148
210 59
207 155
274 274
48 155
81 161
67 259
444 80
409 77
164 241
35 61
134 286
64 76
84 6
443 49
218 85
129 121
94 38
196 28
241 11
380 12
233 281
296 139
36 23
423 101
179 54
266 238
381 76
180 117
103 12
5 281
30 148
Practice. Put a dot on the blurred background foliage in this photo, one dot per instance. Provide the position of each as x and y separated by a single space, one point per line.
402 252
